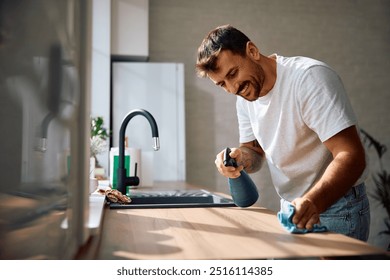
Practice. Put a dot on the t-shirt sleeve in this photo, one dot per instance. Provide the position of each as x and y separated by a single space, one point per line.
244 124
323 102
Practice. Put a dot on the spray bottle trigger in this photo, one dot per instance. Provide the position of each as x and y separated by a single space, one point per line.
227 160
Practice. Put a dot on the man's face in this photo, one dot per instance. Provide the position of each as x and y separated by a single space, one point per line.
239 75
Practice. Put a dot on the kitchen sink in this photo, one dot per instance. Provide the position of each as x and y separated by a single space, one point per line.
174 199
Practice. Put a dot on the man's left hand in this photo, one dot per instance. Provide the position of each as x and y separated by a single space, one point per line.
306 213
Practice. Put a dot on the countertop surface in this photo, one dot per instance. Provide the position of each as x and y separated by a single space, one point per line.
212 233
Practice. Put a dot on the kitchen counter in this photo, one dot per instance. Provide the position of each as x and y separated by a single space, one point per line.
212 233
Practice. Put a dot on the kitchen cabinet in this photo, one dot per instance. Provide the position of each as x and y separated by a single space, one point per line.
130 28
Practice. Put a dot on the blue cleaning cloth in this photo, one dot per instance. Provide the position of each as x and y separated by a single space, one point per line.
286 220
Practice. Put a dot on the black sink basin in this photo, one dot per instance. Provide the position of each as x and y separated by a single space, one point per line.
174 199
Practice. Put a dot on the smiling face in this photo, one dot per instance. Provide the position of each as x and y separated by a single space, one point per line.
240 75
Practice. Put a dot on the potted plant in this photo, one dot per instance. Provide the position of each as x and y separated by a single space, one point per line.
381 179
98 141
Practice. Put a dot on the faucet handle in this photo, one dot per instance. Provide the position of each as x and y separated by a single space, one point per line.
133 180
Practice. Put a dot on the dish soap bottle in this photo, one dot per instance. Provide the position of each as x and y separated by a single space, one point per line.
242 189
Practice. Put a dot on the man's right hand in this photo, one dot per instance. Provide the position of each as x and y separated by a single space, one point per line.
230 171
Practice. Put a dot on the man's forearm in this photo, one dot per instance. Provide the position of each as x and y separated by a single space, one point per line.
251 159
345 169
338 178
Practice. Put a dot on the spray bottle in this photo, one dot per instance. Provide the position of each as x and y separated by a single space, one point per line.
243 190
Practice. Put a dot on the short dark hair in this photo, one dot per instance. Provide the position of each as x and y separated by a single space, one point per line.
224 37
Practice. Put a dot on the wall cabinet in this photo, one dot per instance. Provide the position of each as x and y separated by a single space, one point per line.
130 28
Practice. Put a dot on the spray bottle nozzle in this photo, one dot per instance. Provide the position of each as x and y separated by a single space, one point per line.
227 160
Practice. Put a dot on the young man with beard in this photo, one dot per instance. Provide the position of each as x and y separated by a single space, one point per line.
293 112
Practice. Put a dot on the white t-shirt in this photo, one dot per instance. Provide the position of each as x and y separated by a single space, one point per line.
307 105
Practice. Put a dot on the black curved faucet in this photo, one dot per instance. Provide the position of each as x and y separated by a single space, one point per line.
123 180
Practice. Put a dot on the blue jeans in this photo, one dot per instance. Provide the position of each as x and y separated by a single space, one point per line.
350 215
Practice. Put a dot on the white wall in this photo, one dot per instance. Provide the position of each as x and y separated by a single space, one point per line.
120 27
101 57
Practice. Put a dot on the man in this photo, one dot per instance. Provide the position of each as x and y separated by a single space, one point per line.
294 112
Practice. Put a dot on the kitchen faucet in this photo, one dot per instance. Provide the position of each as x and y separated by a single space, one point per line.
41 145
54 85
123 180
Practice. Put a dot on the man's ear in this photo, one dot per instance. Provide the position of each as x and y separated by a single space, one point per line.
252 51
